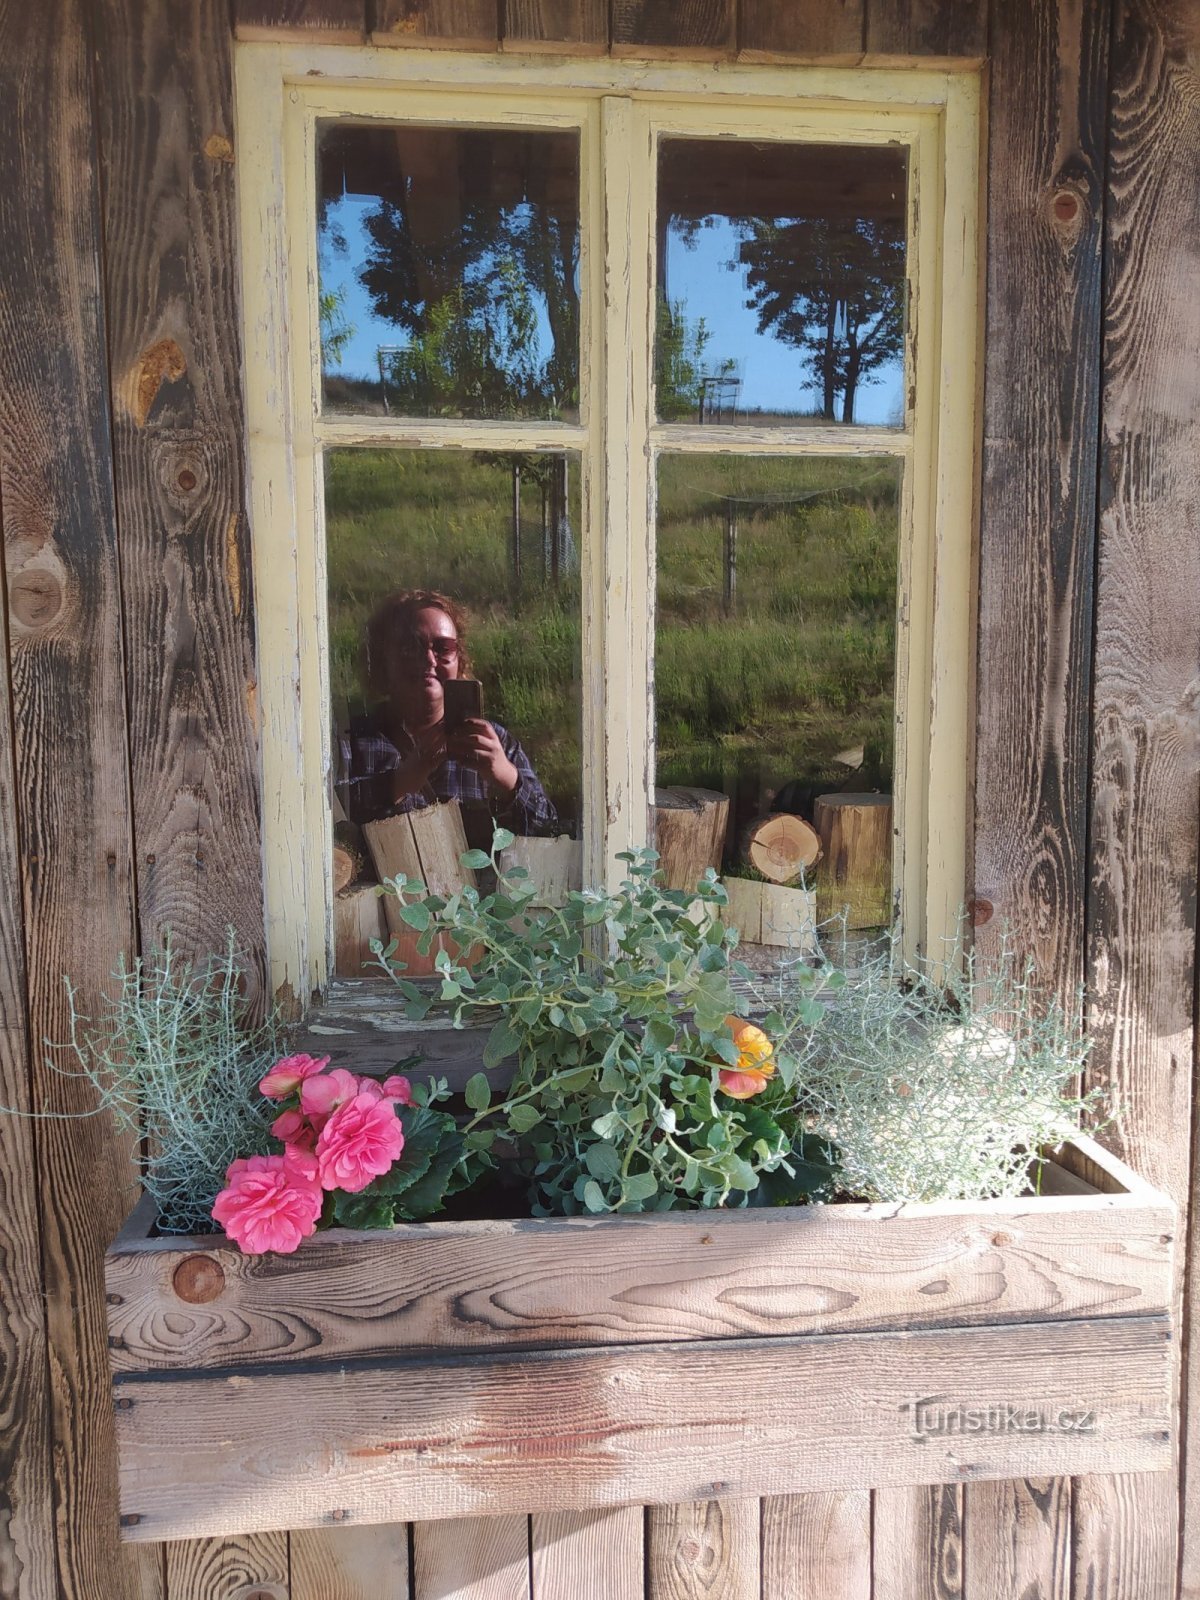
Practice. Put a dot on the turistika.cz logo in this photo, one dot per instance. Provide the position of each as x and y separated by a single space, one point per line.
936 1416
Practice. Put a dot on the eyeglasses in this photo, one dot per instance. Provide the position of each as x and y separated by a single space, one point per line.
445 650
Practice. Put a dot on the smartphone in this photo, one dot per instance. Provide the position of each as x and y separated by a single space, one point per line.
462 699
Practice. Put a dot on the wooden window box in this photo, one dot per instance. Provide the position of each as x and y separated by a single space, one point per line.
452 1369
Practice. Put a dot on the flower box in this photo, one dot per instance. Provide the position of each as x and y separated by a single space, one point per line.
452 1369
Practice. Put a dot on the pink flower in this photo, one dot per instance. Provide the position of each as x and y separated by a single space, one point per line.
295 1130
321 1096
398 1089
286 1076
360 1140
270 1202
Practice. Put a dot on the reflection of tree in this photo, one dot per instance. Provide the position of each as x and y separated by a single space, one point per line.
469 297
679 361
833 291
336 332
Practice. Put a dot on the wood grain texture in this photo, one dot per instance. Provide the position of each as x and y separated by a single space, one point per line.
1041 409
313 21
561 1430
252 1567
1017 1540
348 1563
166 123
703 1550
446 24
472 1558
696 28
917 1544
27 1565
1123 1538
600 1554
816 1547
629 1280
577 27
939 28
808 28
65 665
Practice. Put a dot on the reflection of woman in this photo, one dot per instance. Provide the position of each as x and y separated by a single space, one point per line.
401 757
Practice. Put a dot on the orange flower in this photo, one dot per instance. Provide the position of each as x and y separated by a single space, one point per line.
755 1063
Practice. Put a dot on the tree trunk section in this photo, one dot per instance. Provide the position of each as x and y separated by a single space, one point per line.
855 876
689 833
780 846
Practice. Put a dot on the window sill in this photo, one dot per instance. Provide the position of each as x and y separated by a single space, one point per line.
456 1369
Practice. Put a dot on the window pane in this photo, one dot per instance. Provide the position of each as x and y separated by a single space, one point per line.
449 267
493 539
781 283
775 675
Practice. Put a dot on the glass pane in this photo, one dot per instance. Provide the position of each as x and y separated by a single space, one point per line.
775 682
449 271
781 283
454 628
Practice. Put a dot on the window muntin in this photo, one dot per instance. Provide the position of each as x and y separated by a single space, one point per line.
621 112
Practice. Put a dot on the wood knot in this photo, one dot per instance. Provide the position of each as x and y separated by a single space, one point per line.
1000 1239
160 363
1066 206
218 148
187 480
198 1279
980 911
35 597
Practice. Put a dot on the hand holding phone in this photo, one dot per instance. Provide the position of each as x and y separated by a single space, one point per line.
462 699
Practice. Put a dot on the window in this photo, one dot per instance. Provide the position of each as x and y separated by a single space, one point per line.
665 376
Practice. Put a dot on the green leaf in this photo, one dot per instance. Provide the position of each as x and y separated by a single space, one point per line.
477 860
638 1187
428 1194
502 1042
659 1035
593 1196
530 1010
364 1211
609 1125
603 1161
416 916
478 1092
524 1117
501 839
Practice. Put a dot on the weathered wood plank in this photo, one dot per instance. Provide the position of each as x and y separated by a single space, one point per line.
312 21
446 24
1146 733
473 1558
579 27
600 1554
808 28
816 1547
940 28
917 1544
1123 1544
622 1280
1017 1540
251 1567
696 28
563 1430
703 1550
65 666
167 128
349 1563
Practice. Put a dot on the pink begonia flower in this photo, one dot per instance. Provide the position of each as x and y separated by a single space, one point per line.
398 1089
286 1076
295 1130
321 1096
359 1142
270 1202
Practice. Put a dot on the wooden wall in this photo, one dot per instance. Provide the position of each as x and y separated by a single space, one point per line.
128 760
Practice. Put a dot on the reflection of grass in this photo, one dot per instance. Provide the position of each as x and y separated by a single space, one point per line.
803 669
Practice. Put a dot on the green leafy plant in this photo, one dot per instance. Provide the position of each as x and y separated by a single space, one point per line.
631 1091
175 1057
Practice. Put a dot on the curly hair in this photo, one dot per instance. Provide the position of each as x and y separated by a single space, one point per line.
394 620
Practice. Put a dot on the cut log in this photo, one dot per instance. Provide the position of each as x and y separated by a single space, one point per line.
358 917
771 914
555 866
780 846
349 855
689 833
426 844
855 877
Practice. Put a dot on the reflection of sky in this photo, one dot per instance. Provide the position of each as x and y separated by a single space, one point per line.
772 373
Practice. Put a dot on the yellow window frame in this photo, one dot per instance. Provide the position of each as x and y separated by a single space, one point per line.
620 109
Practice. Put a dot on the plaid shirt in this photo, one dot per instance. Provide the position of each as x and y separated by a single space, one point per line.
368 756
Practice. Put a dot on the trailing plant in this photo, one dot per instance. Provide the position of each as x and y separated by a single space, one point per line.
638 1084
175 1058
944 1085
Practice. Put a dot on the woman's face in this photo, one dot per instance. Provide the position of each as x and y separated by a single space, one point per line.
425 659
